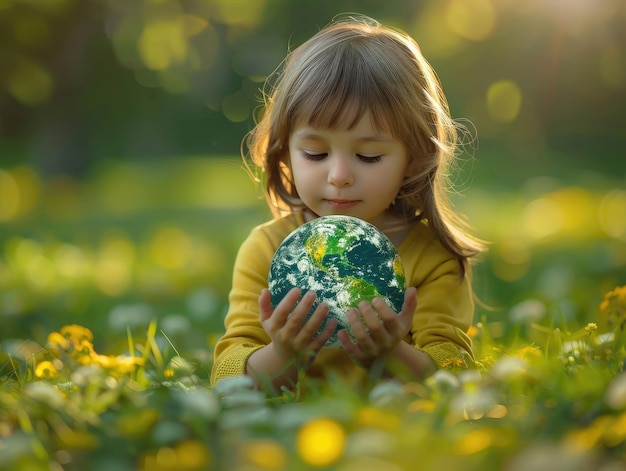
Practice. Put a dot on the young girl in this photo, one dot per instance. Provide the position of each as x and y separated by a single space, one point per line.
356 124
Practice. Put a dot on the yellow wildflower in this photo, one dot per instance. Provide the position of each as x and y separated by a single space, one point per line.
84 353
320 442
76 333
105 361
121 363
591 326
473 331
46 370
613 307
128 364
57 342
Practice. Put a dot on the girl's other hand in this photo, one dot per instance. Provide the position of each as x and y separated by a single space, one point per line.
377 329
293 336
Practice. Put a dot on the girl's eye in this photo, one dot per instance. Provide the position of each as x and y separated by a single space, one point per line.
368 159
313 156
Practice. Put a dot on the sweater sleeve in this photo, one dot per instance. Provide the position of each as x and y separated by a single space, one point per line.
244 333
445 306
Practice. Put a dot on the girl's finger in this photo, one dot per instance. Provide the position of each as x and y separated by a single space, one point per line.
408 308
285 306
300 311
312 325
320 340
265 305
352 349
371 316
359 331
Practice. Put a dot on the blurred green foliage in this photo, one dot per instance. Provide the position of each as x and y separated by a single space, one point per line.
543 81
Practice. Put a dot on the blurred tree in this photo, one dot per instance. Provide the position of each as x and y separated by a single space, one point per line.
91 79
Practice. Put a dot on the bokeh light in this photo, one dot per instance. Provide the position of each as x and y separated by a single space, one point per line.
612 213
504 100
29 82
240 12
265 454
471 19
115 262
236 107
474 442
20 188
569 210
320 442
163 44
171 248
71 262
9 203
430 32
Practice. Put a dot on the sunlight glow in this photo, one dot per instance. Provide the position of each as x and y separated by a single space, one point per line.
471 19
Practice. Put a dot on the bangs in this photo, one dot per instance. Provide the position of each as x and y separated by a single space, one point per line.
338 86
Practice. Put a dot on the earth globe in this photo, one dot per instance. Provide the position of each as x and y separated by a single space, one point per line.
344 260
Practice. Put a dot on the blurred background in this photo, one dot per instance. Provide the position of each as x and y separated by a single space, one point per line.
122 194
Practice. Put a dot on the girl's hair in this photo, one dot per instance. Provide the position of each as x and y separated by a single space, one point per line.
352 66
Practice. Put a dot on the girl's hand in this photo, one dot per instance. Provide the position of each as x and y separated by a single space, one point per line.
383 330
293 337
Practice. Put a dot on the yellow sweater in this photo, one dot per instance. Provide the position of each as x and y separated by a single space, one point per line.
442 318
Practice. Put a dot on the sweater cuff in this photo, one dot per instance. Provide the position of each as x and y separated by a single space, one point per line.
448 355
233 363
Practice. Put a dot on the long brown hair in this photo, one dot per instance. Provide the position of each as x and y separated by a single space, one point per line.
352 66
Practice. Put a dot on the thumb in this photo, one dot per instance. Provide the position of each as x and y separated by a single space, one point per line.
410 303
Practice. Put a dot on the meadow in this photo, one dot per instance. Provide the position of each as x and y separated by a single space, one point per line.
113 289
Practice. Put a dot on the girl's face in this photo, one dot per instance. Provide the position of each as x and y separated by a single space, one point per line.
356 172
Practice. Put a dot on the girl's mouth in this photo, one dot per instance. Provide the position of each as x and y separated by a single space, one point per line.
342 204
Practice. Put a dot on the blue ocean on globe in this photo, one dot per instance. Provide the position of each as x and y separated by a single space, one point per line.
344 260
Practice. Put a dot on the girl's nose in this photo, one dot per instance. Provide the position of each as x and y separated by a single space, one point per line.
339 172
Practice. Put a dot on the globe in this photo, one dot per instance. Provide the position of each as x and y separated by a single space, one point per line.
344 260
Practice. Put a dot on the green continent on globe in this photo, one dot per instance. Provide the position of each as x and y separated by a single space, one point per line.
344 260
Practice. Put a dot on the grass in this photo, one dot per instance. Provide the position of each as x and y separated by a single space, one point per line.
109 313
70 407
